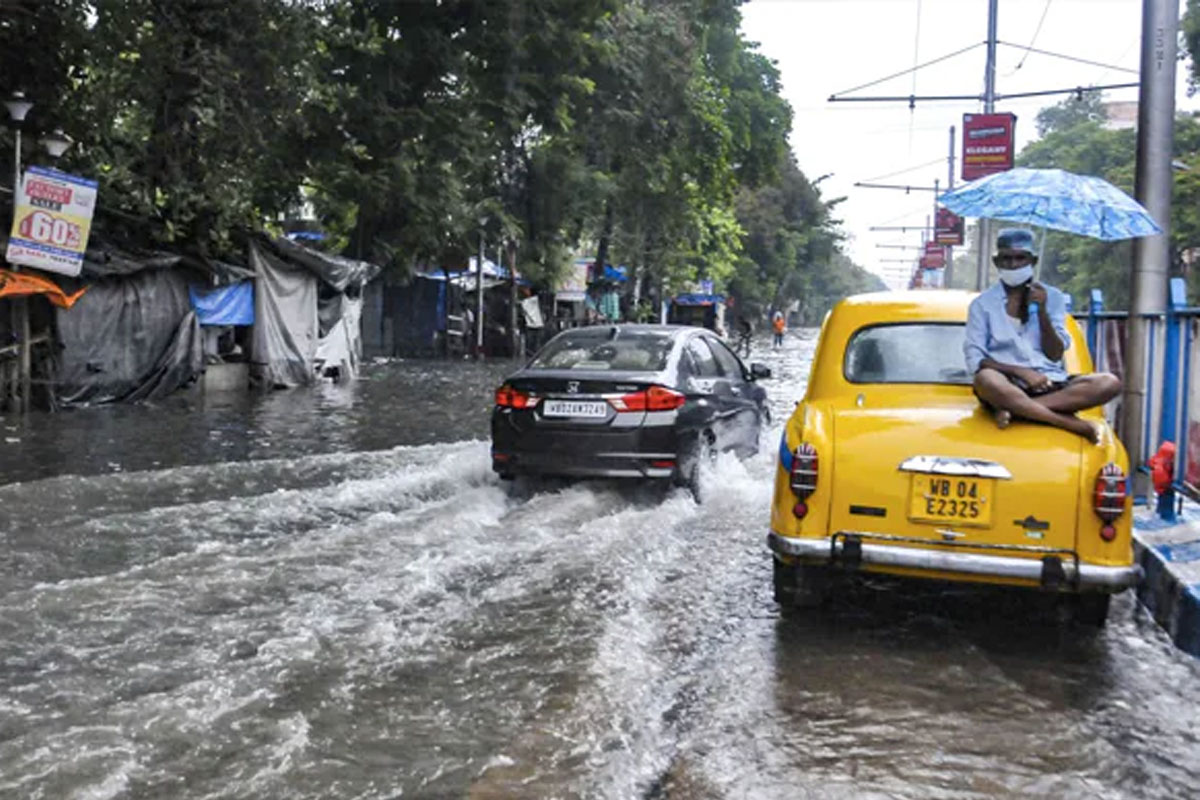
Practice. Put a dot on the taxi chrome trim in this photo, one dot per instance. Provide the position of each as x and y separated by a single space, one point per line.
830 549
961 467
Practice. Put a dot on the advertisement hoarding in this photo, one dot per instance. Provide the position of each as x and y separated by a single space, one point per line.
52 221
948 227
934 256
987 144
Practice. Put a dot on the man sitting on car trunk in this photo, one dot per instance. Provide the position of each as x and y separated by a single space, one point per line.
1016 335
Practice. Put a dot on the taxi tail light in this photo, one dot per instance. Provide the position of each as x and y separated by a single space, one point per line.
655 398
804 473
508 397
1108 500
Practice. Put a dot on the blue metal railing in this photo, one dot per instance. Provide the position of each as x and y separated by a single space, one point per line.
1167 395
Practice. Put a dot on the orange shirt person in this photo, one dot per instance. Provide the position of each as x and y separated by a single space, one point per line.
779 325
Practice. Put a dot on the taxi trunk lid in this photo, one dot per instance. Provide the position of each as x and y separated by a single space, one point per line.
939 474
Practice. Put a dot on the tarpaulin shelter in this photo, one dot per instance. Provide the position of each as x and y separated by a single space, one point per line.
307 309
133 334
698 308
424 315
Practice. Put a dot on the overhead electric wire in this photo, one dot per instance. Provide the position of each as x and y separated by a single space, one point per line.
1036 31
1076 59
908 169
914 212
912 109
914 69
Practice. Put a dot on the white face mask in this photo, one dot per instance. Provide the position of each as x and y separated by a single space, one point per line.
1015 277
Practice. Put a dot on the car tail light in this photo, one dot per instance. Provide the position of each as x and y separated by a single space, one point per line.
656 398
1108 501
508 397
804 473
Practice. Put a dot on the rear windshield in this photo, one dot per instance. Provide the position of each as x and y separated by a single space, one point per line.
907 353
606 349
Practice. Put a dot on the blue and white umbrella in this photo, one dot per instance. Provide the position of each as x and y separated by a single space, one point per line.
1054 198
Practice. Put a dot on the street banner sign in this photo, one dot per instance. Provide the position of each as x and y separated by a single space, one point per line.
948 227
52 221
934 256
987 144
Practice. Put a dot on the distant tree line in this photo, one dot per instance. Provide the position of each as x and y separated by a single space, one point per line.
648 130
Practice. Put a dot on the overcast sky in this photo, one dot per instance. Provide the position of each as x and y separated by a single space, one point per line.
824 47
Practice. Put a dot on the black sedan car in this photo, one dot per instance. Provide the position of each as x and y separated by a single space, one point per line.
627 401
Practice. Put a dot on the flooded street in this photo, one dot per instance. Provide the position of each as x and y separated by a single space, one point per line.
328 594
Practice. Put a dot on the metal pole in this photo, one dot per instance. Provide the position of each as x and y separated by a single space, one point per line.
950 187
1151 254
933 233
479 300
513 324
989 106
21 304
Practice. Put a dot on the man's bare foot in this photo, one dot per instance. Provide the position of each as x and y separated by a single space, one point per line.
1088 430
1003 418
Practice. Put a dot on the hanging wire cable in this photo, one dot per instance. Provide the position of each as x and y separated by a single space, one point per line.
916 48
1069 58
905 72
924 209
1036 31
1136 41
941 160
912 109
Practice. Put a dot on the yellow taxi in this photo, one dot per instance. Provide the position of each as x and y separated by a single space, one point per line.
890 465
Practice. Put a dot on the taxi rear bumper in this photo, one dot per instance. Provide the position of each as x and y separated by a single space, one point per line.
1053 569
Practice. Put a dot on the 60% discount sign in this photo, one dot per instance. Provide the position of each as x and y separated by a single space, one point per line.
45 228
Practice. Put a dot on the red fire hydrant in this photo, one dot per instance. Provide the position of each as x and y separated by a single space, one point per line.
1162 467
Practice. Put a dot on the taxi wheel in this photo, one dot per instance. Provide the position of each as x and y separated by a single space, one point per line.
1090 610
800 586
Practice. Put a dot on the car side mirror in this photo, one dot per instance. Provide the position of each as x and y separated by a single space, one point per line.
758 371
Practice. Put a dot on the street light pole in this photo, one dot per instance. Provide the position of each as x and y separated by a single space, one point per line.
989 106
18 107
1153 184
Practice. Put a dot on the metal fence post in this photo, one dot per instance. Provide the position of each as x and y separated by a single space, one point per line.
1168 425
1095 306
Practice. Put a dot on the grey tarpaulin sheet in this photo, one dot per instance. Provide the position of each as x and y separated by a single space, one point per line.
284 342
132 337
340 347
338 272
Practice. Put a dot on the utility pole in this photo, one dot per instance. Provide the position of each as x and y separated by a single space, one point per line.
989 106
1151 254
933 232
479 298
949 271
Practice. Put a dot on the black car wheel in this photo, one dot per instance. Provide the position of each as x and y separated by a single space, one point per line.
699 454
800 586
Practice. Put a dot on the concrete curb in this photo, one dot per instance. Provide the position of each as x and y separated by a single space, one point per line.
1170 590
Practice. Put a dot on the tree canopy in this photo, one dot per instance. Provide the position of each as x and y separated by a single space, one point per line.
650 131
1074 138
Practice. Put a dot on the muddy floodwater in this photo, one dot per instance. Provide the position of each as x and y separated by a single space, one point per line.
327 594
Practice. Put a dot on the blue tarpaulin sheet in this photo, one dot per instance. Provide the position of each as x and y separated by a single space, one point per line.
225 305
698 299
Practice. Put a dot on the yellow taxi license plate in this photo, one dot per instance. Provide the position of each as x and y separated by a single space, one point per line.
941 498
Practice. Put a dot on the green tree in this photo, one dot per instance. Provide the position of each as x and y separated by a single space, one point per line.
1078 264
193 107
